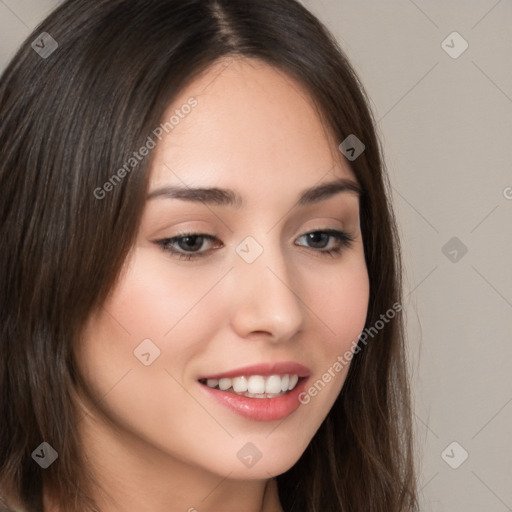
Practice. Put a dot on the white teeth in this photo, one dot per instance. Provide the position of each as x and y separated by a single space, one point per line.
240 385
255 385
224 384
273 384
293 381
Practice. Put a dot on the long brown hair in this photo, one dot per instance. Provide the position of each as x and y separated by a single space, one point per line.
71 118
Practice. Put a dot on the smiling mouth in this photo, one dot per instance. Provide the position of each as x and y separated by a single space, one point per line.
255 386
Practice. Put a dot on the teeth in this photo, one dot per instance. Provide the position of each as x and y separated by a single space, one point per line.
273 384
224 384
256 386
240 385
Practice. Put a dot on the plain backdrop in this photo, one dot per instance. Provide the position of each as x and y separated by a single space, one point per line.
444 113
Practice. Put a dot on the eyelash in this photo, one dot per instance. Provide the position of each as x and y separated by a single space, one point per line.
344 239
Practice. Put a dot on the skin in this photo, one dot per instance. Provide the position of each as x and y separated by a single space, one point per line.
155 441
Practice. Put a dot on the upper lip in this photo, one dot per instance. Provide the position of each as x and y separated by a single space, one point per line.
263 369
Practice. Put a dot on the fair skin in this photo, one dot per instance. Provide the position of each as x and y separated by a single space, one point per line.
156 441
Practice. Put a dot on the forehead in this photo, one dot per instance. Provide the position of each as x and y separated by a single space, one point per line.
252 123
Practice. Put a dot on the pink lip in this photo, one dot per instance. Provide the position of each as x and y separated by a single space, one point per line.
264 369
259 409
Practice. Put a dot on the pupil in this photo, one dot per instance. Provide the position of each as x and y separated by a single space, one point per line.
318 239
192 243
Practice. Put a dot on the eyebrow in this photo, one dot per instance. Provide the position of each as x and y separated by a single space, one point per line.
226 197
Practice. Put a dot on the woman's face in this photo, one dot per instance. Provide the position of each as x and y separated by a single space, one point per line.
240 277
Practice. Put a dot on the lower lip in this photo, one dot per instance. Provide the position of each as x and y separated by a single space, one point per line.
259 409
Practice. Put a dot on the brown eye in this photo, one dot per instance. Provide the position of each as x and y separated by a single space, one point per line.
318 239
191 243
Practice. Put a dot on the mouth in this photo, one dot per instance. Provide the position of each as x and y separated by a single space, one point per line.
255 386
264 392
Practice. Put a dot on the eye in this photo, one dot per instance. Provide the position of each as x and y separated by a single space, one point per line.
328 242
189 245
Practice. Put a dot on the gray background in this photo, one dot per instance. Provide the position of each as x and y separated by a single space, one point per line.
446 126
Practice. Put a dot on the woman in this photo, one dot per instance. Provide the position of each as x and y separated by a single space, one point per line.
201 274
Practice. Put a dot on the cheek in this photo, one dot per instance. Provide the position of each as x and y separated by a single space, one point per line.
148 303
342 304
157 297
176 310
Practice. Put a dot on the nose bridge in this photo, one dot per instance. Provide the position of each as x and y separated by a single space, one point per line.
265 297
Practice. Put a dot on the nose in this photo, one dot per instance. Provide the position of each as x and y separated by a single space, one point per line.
266 300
